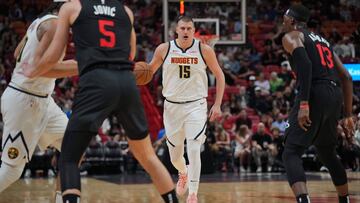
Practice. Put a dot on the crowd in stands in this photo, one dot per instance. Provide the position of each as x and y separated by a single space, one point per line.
260 84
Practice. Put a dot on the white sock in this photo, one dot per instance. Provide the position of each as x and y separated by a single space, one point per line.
58 197
194 168
177 158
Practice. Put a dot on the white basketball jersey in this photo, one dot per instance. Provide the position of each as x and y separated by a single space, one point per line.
40 84
184 73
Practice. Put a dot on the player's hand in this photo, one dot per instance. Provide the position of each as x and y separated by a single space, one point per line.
27 70
304 117
348 126
215 112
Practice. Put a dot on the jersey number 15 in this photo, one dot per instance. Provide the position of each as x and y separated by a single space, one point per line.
184 71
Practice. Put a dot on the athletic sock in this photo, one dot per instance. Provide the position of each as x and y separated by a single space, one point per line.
170 197
344 199
58 197
303 198
71 198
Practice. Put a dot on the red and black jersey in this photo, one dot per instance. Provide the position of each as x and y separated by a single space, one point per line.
101 34
321 56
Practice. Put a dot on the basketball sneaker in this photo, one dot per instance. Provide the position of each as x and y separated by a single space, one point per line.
182 184
192 198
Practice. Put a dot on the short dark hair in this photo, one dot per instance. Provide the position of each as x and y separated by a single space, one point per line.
185 19
299 12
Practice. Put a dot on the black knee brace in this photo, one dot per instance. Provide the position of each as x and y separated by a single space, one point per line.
328 157
293 163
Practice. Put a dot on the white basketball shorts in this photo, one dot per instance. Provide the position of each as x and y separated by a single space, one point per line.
29 121
185 121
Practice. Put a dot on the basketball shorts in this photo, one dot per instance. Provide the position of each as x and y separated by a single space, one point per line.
105 91
325 110
185 121
29 121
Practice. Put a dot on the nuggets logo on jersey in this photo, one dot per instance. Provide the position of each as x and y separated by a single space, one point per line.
13 153
184 60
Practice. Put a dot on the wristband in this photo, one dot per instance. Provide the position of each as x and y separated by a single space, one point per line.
304 106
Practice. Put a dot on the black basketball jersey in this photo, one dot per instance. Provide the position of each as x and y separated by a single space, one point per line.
101 34
321 56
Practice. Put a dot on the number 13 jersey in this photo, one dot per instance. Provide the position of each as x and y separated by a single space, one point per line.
321 56
184 73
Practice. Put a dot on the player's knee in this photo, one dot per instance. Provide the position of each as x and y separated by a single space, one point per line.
193 146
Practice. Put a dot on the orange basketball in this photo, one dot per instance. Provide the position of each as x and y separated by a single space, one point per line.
143 73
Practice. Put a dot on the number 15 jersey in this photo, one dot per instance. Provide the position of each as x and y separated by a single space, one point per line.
184 73
101 34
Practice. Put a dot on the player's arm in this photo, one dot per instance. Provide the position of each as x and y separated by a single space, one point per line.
346 84
347 87
57 46
159 56
293 44
66 68
211 61
133 34
19 47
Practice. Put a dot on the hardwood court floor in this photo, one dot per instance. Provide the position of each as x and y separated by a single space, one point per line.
219 188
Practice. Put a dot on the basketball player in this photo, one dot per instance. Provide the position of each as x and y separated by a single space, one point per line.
105 44
30 114
185 88
313 119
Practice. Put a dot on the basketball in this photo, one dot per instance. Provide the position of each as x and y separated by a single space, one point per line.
143 73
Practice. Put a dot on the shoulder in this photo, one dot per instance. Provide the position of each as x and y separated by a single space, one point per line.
292 40
130 13
293 35
163 47
205 48
48 25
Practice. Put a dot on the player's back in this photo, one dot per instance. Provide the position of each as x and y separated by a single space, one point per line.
101 34
26 57
321 56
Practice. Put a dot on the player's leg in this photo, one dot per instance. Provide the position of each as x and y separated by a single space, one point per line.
195 127
94 101
175 144
328 156
295 144
23 117
174 116
145 154
53 135
131 115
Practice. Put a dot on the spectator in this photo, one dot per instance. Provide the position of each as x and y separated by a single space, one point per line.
262 149
223 148
275 82
263 84
243 119
280 124
242 147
